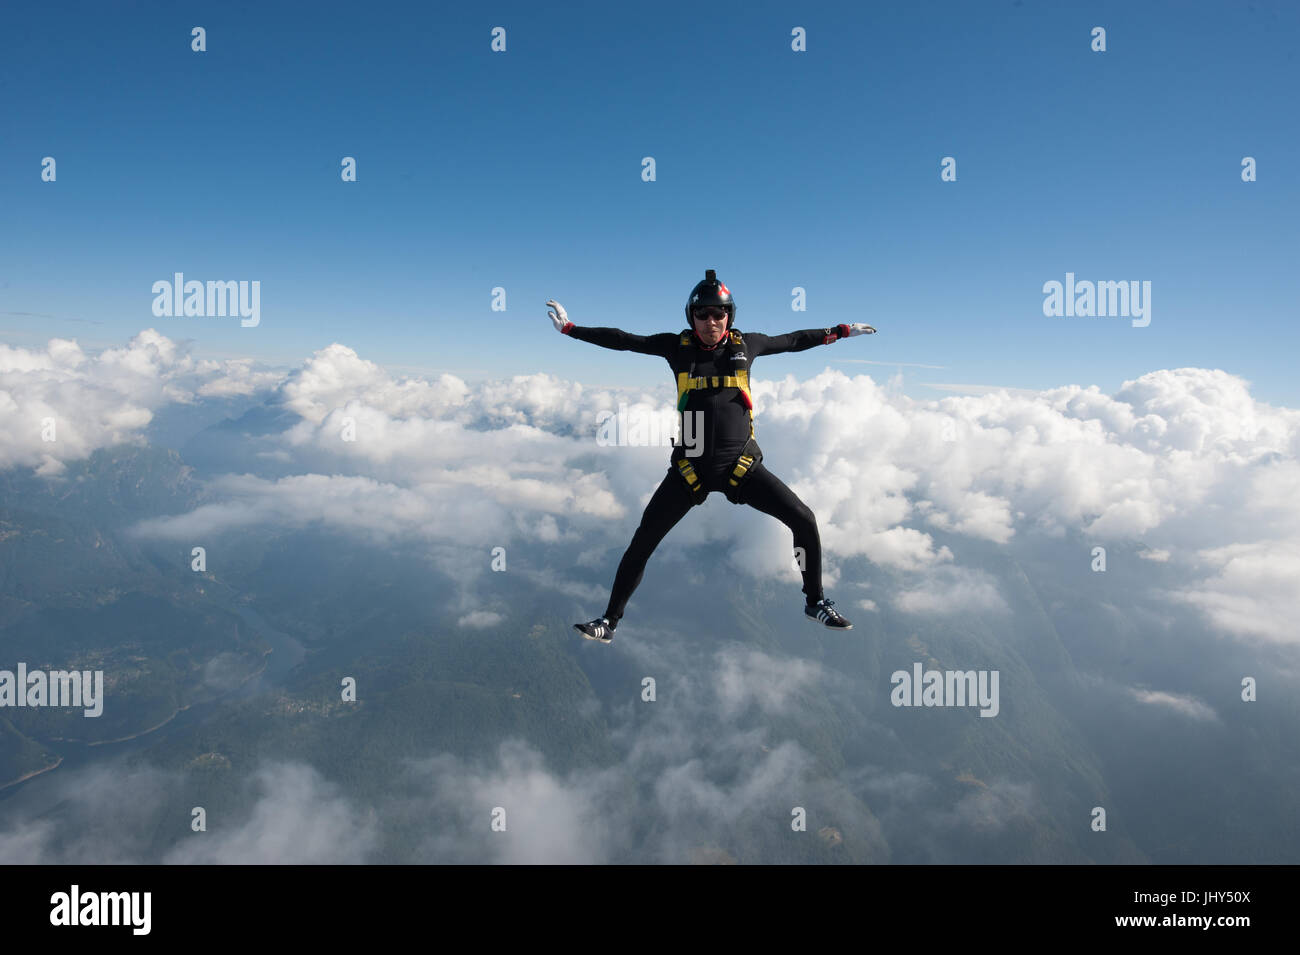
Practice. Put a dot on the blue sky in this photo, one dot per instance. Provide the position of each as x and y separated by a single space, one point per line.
779 169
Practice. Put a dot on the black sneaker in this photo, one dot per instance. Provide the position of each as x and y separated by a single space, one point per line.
599 629
824 612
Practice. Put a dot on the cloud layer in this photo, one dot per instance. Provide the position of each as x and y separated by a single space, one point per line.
1183 462
96 401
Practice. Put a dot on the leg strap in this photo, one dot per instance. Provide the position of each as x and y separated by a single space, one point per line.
750 456
692 480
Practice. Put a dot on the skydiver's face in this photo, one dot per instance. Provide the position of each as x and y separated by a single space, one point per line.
710 324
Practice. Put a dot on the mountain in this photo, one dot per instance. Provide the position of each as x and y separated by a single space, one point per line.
765 739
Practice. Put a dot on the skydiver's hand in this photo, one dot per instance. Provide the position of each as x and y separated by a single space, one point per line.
857 328
558 317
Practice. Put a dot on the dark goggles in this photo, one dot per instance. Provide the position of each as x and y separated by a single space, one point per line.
712 313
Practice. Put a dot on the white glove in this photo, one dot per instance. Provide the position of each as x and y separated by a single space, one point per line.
558 317
857 328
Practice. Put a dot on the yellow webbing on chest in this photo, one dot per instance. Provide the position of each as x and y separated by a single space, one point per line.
740 380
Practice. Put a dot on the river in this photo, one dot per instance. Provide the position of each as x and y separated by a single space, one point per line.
38 792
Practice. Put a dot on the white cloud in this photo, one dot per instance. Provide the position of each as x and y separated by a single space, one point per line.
1255 591
1183 461
977 389
97 401
549 819
990 807
953 590
1180 703
480 619
704 783
376 511
336 376
299 818
110 812
746 676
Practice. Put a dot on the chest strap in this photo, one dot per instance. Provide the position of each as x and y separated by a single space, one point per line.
686 384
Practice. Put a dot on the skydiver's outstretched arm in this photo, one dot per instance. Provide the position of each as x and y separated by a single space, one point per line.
617 339
801 340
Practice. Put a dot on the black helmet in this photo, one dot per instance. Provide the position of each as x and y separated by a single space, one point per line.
711 292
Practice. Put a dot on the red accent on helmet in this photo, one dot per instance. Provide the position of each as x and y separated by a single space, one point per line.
725 290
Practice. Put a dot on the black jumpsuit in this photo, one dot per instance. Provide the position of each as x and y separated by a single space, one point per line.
727 426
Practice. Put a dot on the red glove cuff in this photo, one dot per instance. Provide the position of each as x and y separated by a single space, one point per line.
565 329
844 330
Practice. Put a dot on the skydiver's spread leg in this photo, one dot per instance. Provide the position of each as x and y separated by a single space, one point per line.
766 492
669 504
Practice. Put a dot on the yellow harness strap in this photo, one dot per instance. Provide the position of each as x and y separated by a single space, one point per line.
688 472
744 464
686 384
714 381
